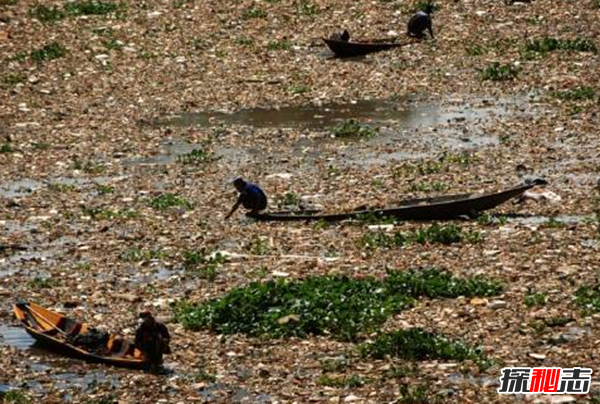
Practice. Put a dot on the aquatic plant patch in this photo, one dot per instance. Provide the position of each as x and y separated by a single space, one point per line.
343 307
169 200
499 72
433 234
48 52
416 344
587 298
353 128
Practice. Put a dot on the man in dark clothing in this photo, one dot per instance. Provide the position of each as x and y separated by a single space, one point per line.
152 338
340 36
420 22
251 197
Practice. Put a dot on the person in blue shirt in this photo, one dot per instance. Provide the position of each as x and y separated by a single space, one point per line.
251 197
420 22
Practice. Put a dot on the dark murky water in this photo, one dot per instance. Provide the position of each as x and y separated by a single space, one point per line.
19 188
27 186
305 117
217 391
322 117
543 220
162 274
407 129
484 381
15 337
18 338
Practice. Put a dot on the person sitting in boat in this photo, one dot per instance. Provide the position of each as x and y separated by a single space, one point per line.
420 22
340 36
251 197
94 340
152 338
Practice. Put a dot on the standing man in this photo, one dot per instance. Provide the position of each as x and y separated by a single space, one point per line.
152 338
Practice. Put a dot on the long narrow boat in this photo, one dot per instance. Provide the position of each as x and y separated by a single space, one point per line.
434 208
345 49
58 333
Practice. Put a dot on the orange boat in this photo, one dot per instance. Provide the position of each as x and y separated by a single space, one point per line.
60 333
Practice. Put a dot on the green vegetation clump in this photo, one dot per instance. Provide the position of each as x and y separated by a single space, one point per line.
351 381
588 298
136 254
169 200
298 89
244 41
418 344
14 397
353 128
203 264
307 8
343 307
475 49
424 5
428 187
338 306
535 299
196 157
254 12
13 78
91 7
52 14
110 214
276 45
41 145
547 44
487 219
576 94
88 166
48 52
258 246
61 187
46 14
290 198
498 72
6 148
435 283
41 283
433 234
104 189
433 166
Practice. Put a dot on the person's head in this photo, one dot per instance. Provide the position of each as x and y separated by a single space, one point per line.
429 8
146 315
239 184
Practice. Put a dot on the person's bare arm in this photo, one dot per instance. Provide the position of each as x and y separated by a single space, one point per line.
235 207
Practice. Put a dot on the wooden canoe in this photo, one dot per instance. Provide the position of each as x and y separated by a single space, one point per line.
346 49
434 208
55 331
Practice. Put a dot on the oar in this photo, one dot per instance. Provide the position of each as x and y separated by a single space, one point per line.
29 308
